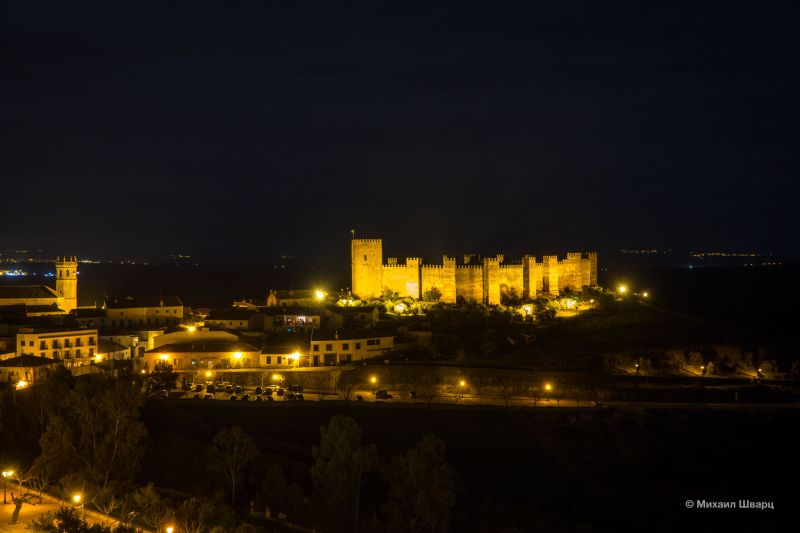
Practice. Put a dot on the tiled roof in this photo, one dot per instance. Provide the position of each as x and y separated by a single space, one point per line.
27 361
15 292
209 347
130 302
229 314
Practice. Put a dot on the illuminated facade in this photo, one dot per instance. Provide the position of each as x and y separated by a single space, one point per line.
489 280
75 346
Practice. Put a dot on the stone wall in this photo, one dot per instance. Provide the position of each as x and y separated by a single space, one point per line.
403 279
443 277
469 282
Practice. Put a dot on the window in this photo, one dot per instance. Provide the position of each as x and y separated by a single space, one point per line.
91 352
42 354
66 354
279 359
269 359
328 347
42 345
373 342
365 257
78 352
358 346
346 346
30 343
315 347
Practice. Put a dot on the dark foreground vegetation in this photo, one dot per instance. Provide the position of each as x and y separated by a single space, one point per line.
332 466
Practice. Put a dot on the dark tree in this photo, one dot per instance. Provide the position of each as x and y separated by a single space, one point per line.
340 461
421 488
232 452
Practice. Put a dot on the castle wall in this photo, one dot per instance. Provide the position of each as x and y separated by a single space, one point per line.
585 272
570 272
443 277
487 280
551 270
366 256
469 282
402 279
510 279
491 281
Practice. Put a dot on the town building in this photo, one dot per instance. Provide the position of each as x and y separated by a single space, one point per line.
203 355
490 280
135 312
42 298
25 370
341 348
75 346
236 319
291 298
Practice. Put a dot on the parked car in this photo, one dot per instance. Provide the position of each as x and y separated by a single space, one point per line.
237 390
296 388
211 388
279 392
259 390
360 398
208 397
382 394
198 388
228 389
412 394
245 397
299 396
197 397
258 399
233 397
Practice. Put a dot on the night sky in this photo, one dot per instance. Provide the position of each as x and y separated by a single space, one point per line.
242 130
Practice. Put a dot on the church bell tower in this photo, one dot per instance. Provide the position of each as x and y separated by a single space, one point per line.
67 282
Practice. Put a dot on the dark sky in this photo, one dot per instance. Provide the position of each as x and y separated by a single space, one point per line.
249 129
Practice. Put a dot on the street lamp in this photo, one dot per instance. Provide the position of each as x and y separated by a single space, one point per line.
622 289
170 529
373 380
319 295
77 499
462 385
6 474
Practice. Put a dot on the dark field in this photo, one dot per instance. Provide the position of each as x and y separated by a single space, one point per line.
546 469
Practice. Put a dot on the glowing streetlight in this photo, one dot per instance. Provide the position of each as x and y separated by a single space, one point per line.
76 498
208 374
462 383
645 294
373 380
548 387
191 329
164 357
622 289
319 295
237 355
400 308
6 474
98 358
21 384
276 377
527 309
170 529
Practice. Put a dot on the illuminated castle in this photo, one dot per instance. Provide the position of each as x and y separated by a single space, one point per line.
489 280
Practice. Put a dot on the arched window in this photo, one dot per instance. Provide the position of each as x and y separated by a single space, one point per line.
67 273
60 273
365 257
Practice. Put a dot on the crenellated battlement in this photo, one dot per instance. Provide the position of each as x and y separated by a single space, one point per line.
486 279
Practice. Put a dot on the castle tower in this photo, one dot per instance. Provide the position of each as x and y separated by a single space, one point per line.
366 263
67 282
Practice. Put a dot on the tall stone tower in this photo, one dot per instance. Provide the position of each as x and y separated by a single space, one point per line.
366 256
67 282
